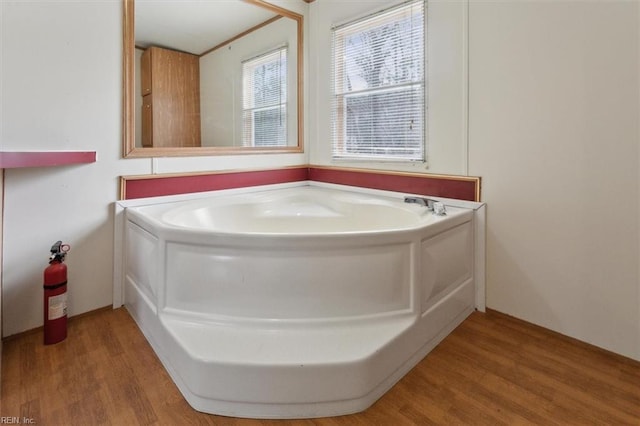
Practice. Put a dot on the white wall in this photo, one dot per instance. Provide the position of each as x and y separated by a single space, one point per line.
61 90
221 82
446 93
62 87
554 108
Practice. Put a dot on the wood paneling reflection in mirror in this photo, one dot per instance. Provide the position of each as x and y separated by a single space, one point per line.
166 76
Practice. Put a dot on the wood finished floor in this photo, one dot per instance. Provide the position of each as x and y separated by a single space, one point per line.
492 370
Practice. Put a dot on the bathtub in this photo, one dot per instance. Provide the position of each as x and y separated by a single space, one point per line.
295 301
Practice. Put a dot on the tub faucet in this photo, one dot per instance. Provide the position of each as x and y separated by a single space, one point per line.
432 205
426 202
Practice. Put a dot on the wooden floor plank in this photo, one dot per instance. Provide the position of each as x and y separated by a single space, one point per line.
492 370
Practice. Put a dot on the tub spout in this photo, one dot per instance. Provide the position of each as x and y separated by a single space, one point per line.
431 205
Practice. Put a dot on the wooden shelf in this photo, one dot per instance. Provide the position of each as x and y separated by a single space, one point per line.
15 159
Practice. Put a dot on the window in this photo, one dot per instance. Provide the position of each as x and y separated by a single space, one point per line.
378 108
264 99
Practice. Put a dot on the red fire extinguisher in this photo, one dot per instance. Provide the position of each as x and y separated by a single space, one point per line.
55 295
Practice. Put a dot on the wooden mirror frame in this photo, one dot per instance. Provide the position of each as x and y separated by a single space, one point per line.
129 143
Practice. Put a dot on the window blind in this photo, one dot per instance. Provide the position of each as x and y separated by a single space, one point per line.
264 99
378 108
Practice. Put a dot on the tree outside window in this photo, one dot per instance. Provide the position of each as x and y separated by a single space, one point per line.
379 86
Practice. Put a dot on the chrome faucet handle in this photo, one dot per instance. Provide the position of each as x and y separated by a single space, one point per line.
439 209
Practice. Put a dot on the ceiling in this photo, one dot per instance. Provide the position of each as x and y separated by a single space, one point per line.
194 26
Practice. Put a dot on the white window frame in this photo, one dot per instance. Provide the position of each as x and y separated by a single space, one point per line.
249 109
339 111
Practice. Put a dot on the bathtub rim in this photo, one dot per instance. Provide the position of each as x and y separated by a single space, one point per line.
119 282
413 216
177 232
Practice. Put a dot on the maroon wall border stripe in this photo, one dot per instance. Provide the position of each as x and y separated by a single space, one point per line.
458 187
158 185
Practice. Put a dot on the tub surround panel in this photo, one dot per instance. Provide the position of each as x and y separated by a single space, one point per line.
227 281
142 253
448 186
449 256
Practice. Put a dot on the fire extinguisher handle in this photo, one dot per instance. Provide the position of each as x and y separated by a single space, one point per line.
59 251
56 247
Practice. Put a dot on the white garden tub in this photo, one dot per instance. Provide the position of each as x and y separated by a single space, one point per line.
297 302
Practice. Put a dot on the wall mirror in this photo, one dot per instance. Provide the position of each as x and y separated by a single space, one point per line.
211 77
